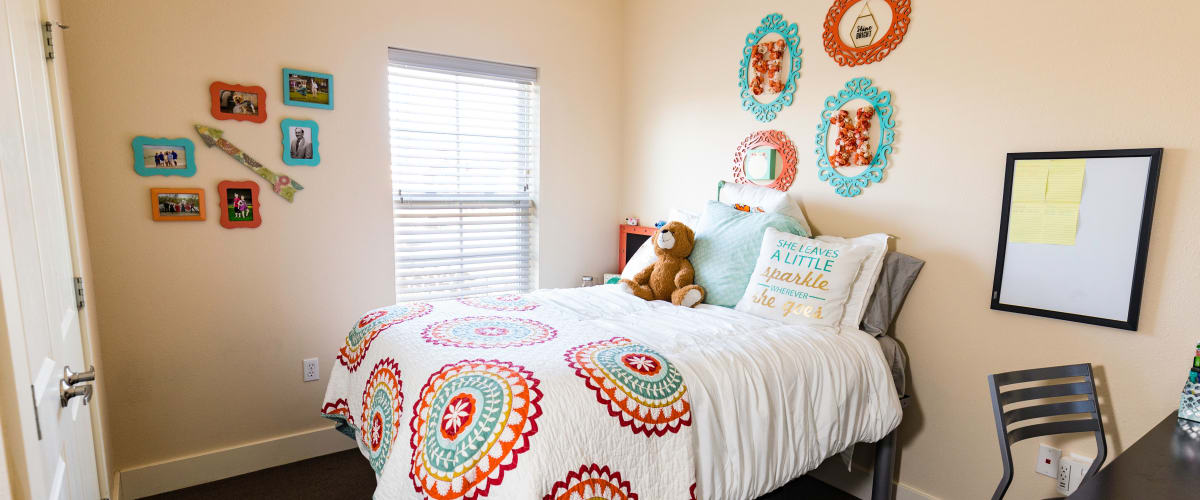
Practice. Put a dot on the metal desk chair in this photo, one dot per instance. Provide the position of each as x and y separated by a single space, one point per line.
1086 407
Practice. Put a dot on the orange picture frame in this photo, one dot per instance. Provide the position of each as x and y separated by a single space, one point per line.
177 204
229 102
774 139
624 249
230 209
846 55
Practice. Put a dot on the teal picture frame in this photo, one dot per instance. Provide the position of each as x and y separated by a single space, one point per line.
143 146
302 97
285 127
881 100
773 23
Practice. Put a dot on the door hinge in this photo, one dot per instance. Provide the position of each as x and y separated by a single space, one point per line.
37 419
48 37
79 302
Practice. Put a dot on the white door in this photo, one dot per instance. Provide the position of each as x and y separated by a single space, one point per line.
36 275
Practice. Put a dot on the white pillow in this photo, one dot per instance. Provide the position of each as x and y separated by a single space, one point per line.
802 280
644 256
762 199
860 293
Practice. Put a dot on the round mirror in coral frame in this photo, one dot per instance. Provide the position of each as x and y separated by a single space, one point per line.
863 20
766 158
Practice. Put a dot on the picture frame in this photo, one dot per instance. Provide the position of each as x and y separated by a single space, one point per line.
875 47
302 150
773 25
240 204
163 156
308 89
860 88
785 169
177 204
238 102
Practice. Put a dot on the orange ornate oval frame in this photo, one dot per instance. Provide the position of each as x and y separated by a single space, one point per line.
787 155
846 55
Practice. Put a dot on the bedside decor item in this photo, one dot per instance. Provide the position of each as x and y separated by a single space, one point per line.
611 279
630 239
1189 401
781 147
770 66
670 276
854 136
307 88
866 45
301 146
632 221
282 185
238 102
1075 234
586 281
239 204
162 156
177 204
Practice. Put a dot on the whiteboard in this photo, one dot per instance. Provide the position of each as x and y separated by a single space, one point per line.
1097 280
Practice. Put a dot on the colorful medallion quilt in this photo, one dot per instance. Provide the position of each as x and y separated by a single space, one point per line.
509 397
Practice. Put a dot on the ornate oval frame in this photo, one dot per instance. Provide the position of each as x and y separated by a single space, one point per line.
858 88
787 155
846 55
773 23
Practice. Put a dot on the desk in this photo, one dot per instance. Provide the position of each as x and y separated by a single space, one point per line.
1165 463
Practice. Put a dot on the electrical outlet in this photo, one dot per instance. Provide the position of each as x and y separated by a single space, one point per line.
1064 477
1079 467
312 370
1047 461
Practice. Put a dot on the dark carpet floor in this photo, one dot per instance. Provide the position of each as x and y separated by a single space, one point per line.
346 475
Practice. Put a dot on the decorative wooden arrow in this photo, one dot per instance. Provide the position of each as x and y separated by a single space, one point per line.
282 185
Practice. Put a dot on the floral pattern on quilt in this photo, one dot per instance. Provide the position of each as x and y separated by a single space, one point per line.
469 424
635 383
591 482
487 332
371 325
506 302
382 406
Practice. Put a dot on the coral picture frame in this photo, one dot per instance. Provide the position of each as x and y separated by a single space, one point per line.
163 156
790 34
301 142
786 155
240 204
238 102
881 101
177 204
848 55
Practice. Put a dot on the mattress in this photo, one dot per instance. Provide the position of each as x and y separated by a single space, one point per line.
762 402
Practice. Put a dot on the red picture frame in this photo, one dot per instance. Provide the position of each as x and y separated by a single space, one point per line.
229 207
787 158
224 107
844 54
623 253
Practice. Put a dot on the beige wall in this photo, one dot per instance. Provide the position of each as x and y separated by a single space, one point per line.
971 82
203 328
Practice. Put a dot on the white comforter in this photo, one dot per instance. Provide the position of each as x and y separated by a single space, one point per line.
768 401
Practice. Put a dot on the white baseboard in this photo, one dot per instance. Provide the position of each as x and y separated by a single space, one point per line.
857 482
187 471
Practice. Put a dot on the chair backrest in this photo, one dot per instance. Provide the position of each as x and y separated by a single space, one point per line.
1087 409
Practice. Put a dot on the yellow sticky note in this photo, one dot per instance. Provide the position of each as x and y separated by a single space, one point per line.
1065 180
1060 223
1026 222
1029 180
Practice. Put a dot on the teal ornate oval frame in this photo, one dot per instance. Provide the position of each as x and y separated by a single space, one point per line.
858 88
773 23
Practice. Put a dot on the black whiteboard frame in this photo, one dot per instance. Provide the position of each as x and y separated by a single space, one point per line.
1139 265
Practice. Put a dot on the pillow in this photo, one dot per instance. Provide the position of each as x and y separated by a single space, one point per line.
749 197
802 280
727 242
895 280
644 256
860 293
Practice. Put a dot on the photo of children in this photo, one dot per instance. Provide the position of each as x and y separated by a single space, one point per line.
240 203
178 204
164 156
239 103
302 88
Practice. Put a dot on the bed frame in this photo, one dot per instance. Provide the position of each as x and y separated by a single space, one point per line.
882 486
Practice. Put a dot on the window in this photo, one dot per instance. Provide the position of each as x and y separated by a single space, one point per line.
464 152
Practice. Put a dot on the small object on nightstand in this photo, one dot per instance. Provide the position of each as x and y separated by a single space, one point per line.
610 278
586 281
1189 401
660 224
632 221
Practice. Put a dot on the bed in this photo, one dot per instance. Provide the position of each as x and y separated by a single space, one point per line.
594 392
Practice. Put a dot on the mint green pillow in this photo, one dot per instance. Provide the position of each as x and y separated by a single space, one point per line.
727 245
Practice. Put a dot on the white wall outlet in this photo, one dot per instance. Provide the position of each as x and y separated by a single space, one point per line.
1047 461
1064 477
1079 467
312 370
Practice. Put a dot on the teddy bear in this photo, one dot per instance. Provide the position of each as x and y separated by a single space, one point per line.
669 277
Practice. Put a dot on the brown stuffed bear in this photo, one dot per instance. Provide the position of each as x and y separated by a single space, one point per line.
670 277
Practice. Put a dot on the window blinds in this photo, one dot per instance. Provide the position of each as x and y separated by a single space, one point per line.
463 150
